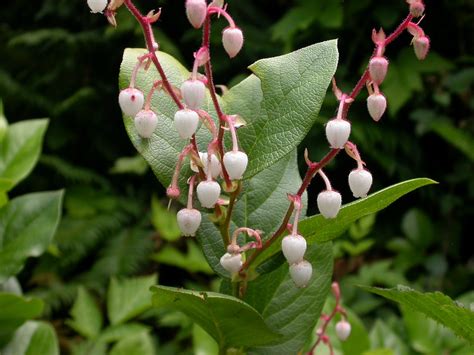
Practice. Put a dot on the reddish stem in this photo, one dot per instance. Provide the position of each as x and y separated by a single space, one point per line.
148 32
312 170
206 35
327 319
366 76
149 40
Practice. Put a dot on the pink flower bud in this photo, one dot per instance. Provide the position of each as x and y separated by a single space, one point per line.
301 273
189 220
208 193
338 132
376 104
343 330
360 181
421 46
378 67
196 10
97 5
186 123
145 123
232 40
293 248
193 92
231 262
329 203
131 101
235 164
173 192
417 8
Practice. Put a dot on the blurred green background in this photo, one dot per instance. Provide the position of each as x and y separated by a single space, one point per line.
60 61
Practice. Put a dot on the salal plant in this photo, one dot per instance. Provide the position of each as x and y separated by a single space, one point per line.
231 161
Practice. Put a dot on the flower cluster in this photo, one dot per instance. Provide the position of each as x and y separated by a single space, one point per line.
219 169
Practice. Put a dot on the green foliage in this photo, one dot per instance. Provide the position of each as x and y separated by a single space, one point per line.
33 338
267 107
434 305
192 261
282 103
140 344
27 227
231 322
15 311
164 221
292 311
319 229
128 298
86 315
20 150
262 205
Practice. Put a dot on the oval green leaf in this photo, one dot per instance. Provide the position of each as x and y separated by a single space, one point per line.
27 227
262 205
292 311
231 322
20 149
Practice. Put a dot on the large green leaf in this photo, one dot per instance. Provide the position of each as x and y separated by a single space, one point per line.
21 148
289 310
86 315
27 227
281 103
279 108
262 205
319 229
15 310
127 298
435 305
231 322
33 338
162 149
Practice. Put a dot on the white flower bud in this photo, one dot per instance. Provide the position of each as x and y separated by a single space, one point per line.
189 221
97 5
338 132
196 10
235 164
186 123
145 123
421 45
215 165
131 101
208 193
193 92
376 104
378 67
343 330
231 262
293 248
329 203
301 273
232 40
360 181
